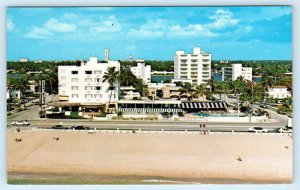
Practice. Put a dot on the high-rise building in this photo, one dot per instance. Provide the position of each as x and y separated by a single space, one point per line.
106 56
83 83
142 71
195 67
236 70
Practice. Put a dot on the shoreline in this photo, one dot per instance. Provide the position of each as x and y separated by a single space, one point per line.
88 178
181 158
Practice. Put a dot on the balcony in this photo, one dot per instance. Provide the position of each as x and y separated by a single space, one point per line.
183 65
194 65
205 76
205 69
205 60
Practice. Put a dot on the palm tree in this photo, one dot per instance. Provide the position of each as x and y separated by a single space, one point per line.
224 87
186 88
200 90
235 87
212 83
50 75
112 77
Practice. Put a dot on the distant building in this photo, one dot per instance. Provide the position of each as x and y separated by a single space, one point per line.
106 55
129 93
195 66
38 61
236 70
224 61
24 60
13 94
278 92
142 71
83 85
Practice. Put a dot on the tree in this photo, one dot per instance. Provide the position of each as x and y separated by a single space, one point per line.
235 85
159 93
224 87
50 76
212 84
112 77
200 90
186 88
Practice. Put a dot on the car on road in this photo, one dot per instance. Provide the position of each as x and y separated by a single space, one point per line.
257 130
58 127
20 123
263 106
79 127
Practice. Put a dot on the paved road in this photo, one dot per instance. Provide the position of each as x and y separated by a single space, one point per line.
150 125
32 116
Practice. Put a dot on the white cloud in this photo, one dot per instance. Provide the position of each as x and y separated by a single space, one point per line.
145 33
54 25
223 19
191 30
39 33
9 24
108 24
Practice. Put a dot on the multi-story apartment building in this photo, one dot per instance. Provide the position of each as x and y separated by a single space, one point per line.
279 92
84 84
236 70
195 66
142 71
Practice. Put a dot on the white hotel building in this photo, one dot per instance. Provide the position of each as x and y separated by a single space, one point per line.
195 67
142 71
83 84
236 70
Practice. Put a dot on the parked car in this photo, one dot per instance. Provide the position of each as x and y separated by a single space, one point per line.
19 123
58 127
285 130
257 130
79 127
264 106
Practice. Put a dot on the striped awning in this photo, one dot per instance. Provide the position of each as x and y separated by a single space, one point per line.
203 105
151 110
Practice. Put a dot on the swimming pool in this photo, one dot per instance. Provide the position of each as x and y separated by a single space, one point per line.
216 115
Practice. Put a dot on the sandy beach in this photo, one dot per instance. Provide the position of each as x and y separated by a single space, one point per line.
190 158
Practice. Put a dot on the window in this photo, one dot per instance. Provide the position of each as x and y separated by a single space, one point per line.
97 72
88 80
74 72
74 80
97 80
97 96
74 95
74 87
97 87
88 88
88 72
88 96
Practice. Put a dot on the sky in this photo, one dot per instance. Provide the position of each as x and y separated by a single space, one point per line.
150 33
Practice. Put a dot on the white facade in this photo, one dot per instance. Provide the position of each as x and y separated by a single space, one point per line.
142 71
236 70
278 92
84 83
195 66
106 55
129 93
13 94
24 60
